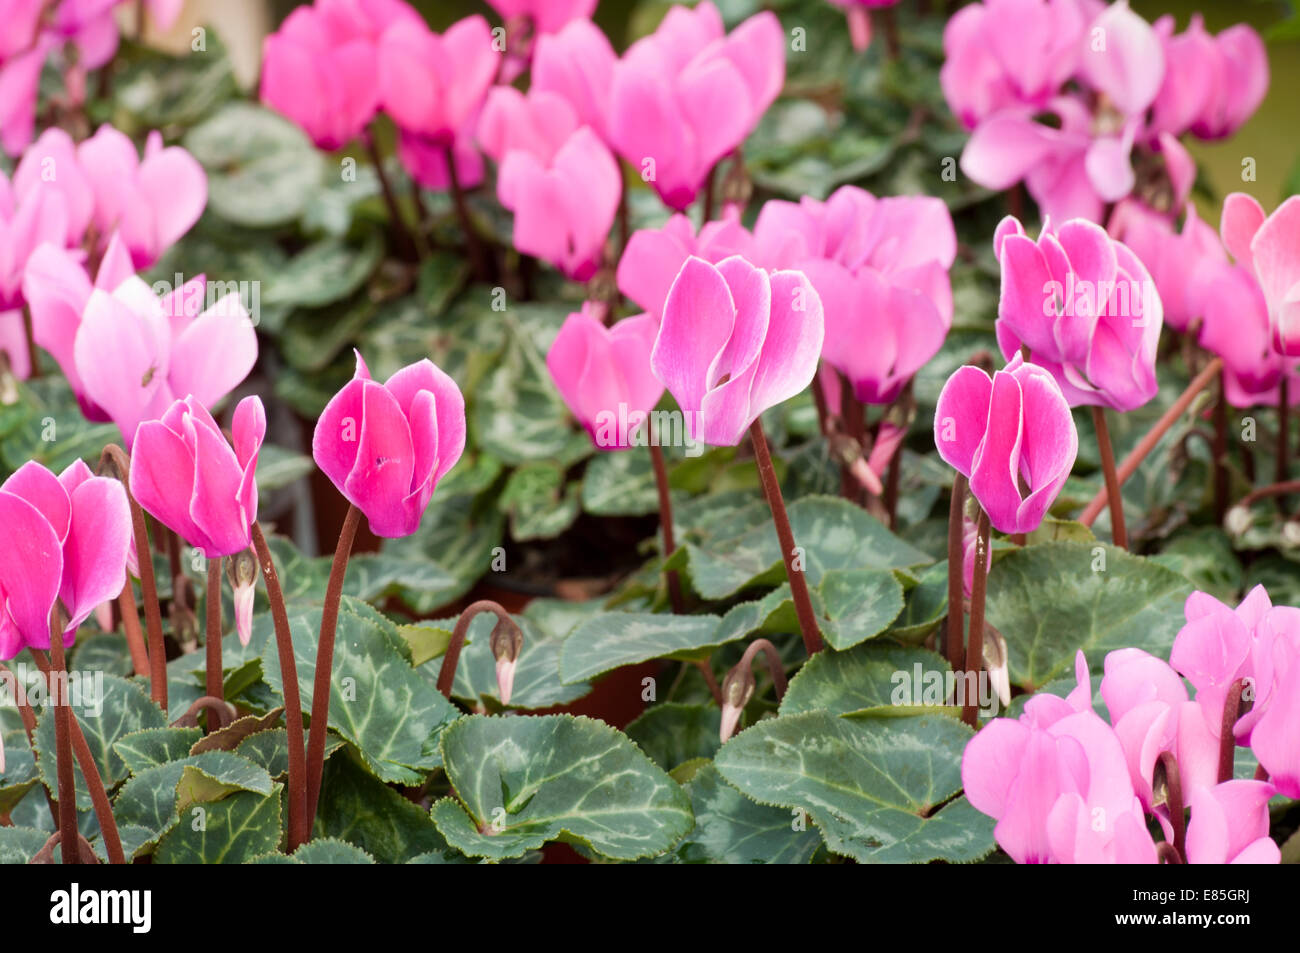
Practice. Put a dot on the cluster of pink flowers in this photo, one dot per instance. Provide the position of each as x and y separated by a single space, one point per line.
672 106
79 35
1112 82
69 202
1066 786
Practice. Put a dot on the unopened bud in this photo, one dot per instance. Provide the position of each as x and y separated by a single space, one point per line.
995 663
507 642
241 569
737 690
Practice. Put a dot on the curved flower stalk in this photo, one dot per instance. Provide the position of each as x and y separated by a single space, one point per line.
738 685
507 641
735 341
384 447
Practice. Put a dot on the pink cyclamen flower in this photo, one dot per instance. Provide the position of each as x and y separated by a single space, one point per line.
1086 308
1229 825
1275 738
1270 247
426 162
654 256
134 352
386 446
57 290
998 431
62 538
1178 262
185 474
1212 84
1219 646
880 267
321 67
1009 53
433 84
25 225
1049 777
563 207
51 166
685 96
604 374
734 341
859 18
20 78
546 16
1149 709
578 64
152 201
1235 327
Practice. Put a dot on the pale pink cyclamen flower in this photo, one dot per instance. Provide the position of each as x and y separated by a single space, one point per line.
1056 782
604 374
20 77
998 431
687 95
1235 327
386 446
578 64
654 256
1270 247
880 267
152 201
134 352
1086 308
185 474
57 290
859 18
546 16
1004 53
1179 262
734 341
1149 709
52 167
1212 84
321 68
433 84
1229 825
62 538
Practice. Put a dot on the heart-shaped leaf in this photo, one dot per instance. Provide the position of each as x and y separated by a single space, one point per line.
614 639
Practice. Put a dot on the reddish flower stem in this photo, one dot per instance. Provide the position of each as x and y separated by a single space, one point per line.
1113 497
297 794
1148 443
666 525
1174 802
402 239
212 638
956 517
1220 451
775 669
1227 740
121 463
975 641
134 634
320 696
812 638
1273 489
472 244
1283 433
447 672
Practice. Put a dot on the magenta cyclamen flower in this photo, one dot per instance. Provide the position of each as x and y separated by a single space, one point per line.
604 374
62 539
185 474
321 67
433 84
1177 261
1235 327
1086 308
564 208
1229 825
578 64
734 341
1016 426
654 256
386 446
1003 53
1270 248
685 96
1212 84
880 267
